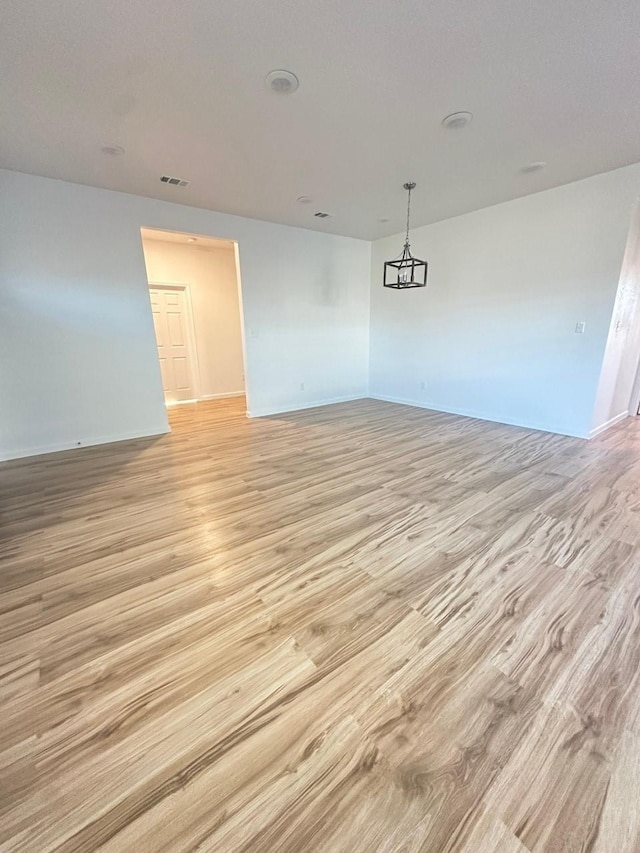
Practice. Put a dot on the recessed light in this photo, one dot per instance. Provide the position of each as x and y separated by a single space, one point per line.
192 239
112 150
456 121
282 82
533 167
304 199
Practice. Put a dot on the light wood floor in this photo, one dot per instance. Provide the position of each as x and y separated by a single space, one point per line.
360 628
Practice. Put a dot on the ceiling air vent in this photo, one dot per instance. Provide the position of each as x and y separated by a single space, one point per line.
321 215
175 182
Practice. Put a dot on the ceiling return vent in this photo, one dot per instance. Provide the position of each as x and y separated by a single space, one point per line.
174 182
321 215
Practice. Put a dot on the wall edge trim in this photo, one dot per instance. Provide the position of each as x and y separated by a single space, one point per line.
608 424
59 446
480 416
281 410
204 397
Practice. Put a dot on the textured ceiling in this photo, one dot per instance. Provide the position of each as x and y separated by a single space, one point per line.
180 86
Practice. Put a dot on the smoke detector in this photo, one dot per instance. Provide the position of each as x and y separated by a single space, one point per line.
174 182
536 166
282 82
456 121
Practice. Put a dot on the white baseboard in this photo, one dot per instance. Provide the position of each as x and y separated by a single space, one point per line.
281 410
77 445
220 396
481 416
203 398
608 424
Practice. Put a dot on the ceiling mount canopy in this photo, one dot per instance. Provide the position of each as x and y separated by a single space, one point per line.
405 271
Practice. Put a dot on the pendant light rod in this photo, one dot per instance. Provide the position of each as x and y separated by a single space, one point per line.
410 185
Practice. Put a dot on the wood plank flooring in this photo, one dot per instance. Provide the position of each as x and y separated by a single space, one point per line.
359 628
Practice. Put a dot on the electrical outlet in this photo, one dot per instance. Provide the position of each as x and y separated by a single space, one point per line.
580 327
302 386
423 385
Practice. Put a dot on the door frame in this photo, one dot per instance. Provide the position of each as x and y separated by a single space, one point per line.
634 402
191 337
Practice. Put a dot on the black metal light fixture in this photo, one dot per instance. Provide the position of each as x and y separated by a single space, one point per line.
405 271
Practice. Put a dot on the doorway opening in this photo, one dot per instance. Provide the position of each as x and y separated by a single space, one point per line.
194 290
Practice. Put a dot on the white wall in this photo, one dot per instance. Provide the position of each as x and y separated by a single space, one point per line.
210 274
492 335
622 352
78 361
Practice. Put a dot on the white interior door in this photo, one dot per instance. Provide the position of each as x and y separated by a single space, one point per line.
171 321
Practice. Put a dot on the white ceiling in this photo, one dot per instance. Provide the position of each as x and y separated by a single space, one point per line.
180 86
201 241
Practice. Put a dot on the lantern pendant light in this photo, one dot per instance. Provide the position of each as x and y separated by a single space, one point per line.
405 271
